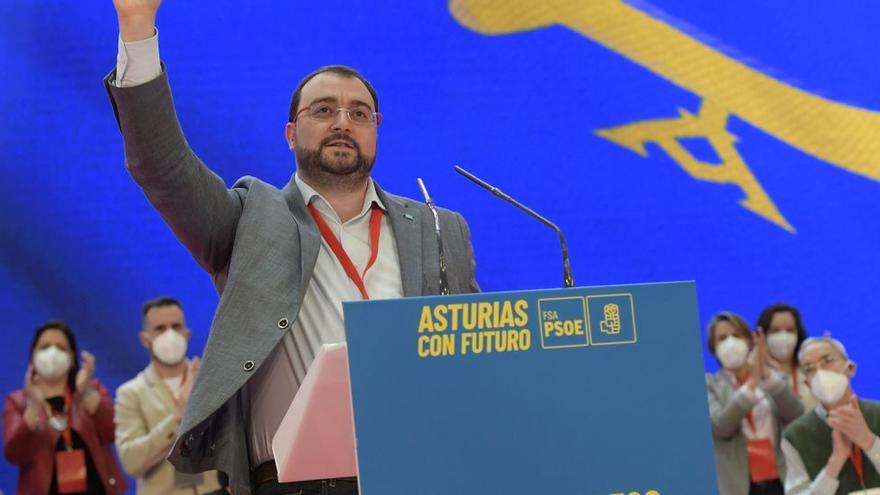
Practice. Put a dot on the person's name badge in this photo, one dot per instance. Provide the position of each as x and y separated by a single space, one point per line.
70 471
58 423
762 460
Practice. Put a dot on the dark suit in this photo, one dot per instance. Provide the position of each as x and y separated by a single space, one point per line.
260 246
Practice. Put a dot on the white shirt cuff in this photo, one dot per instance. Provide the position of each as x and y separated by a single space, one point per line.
137 62
874 453
823 484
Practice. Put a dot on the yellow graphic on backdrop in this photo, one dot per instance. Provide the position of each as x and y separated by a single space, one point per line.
844 135
611 323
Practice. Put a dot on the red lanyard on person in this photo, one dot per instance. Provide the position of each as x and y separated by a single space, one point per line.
60 421
760 451
856 457
339 251
794 381
70 464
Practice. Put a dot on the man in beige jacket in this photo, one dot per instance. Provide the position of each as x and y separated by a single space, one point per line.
149 406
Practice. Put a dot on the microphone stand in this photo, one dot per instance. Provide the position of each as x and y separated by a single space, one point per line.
444 283
567 277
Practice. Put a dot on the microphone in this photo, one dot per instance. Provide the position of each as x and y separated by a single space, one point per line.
567 277
444 283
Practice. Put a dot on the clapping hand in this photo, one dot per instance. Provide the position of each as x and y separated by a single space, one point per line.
32 391
758 359
193 372
85 373
36 399
849 421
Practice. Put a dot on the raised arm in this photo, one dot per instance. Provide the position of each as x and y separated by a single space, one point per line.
727 415
193 200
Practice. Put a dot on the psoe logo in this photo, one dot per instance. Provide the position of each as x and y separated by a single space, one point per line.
612 319
844 135
611 323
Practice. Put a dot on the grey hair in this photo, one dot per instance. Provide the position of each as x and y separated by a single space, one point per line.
818 340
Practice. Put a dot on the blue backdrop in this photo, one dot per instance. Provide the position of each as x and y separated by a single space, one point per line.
639 128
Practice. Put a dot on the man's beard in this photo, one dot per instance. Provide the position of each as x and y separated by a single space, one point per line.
339 170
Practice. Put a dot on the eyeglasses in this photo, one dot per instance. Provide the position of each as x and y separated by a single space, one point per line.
824 363
325 112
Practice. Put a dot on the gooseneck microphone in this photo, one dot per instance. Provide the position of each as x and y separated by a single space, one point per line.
444 283
567 277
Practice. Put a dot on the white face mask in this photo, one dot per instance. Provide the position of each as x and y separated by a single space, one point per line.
51 363
829 386
781 345
169 347
732 352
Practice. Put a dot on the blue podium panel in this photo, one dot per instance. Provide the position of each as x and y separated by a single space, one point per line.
589 391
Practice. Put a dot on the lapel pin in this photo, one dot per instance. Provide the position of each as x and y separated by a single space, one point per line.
408 216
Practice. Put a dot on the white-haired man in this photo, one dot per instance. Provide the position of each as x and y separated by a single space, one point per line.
835 448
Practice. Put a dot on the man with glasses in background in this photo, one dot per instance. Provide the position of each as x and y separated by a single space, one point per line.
283 260
835 448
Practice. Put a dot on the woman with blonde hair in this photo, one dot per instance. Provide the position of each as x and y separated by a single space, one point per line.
749 404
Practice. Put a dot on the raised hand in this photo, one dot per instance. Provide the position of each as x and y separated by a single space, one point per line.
849 420
761 368
36 399
841 447
192 373
85 373
31 390
137 18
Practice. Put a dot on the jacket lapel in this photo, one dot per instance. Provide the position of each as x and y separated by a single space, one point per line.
406 223
309 239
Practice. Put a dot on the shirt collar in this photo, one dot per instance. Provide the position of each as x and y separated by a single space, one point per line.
311 196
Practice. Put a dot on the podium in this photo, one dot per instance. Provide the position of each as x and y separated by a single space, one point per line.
588 391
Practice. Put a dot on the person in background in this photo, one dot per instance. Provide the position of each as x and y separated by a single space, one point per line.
785 333
834 449
149 406
58 429
749 403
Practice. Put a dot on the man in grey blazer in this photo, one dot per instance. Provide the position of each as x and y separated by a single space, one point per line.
280 277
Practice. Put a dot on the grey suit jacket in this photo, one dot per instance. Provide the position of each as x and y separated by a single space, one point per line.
260 246
727 413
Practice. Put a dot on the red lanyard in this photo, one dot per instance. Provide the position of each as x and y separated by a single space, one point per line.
68 437
856 458
751 421
339 251
794 380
